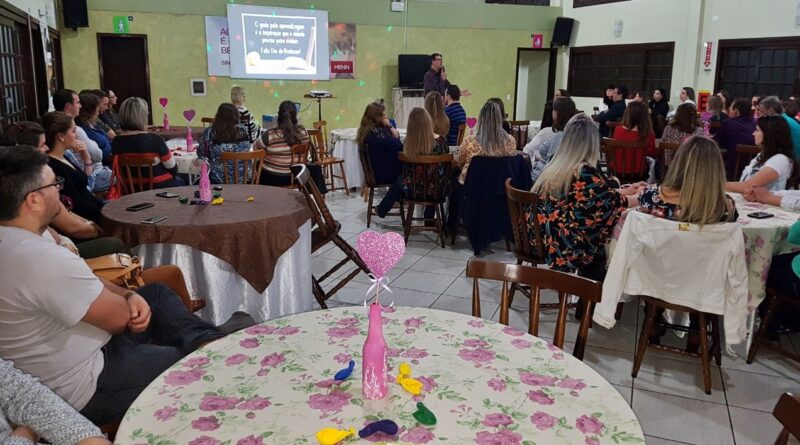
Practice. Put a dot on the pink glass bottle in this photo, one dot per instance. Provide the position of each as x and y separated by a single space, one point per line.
189 140
373 366
205 183
166 120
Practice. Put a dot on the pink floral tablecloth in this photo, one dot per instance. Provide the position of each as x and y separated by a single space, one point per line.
486 383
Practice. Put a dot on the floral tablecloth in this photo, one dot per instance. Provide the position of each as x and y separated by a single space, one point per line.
486 383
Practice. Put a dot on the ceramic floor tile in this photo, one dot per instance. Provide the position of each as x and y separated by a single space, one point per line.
651 440
423 281
625 391
755 427
667 376
352 293
463 306
420 247
320 266
489 292
456 252
682 419
410 298
766 362
614 366
618 338
755 391
442 266
392 275
516 319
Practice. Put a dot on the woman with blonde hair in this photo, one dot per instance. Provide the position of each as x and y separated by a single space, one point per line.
245 118
434 105
489 140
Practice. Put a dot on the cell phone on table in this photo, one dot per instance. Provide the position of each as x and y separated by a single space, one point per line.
760 215
142 206
153 219
167 195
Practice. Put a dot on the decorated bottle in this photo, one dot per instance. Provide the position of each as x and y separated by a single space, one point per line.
166 120
373 367
189 140
205 183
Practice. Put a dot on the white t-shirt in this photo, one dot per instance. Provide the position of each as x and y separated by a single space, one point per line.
780 163
45 291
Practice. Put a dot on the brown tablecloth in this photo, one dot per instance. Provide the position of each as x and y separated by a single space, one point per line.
176 132
250 236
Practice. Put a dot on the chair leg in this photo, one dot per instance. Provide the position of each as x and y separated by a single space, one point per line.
318 292
701 319
504 304
513 289
533 316
408 222
716 344
439 225
650 311
369 205
762 328
344 178
329 174
402 213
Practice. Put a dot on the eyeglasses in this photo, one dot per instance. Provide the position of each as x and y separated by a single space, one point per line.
58 184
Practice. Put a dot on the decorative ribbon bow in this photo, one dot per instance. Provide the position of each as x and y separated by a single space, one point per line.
378 283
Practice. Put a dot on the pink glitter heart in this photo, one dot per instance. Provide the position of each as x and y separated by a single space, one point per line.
189 114
380 252
163 101
472 122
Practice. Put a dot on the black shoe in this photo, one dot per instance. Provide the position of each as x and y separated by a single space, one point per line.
239 320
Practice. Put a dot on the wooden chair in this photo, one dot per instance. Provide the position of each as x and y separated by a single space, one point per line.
136 171
519 129
663 149
775 301
462 130
787 412
744 154
253 163
588 291
206 121
626 160
325 160
427 181
370 184
652 308
327 231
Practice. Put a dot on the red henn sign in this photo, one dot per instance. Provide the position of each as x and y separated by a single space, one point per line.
341 67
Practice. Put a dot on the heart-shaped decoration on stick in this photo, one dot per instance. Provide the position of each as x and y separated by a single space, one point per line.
189 115
472 122
163 101
380 252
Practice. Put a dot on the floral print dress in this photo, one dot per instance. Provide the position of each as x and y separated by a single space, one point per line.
576 227
211 151
650 202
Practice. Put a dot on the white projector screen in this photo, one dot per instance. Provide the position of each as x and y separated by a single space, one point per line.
278 43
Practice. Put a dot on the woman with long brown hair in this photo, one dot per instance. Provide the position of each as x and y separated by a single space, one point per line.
684 124
226 134
278 142
775 167
382 142
635 127
434 105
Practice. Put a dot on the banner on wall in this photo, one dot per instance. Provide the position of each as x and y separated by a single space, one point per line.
218 46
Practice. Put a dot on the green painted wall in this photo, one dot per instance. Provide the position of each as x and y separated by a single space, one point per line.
480 54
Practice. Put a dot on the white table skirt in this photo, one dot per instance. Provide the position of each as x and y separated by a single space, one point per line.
345 147
225 292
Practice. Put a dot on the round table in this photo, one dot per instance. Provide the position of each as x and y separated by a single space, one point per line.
485 382
343 141
229 253
175 132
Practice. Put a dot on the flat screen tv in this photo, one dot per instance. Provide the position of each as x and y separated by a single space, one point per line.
412 69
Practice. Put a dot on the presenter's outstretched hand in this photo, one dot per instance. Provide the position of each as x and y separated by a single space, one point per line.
466 93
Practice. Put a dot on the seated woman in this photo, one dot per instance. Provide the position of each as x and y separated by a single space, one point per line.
775 167
547 116
659 106
87 120
544 145
245 117
506 124
578 208
683 125
30 411
489 140
715 110
60 137
226 134
635 127
382 142
434 105
134 139
278 142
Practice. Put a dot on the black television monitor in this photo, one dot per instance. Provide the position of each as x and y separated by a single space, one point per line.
412 69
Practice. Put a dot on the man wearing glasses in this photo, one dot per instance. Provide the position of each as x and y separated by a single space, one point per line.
436 78
92 342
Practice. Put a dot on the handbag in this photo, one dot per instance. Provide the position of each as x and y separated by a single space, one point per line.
115 186
119 268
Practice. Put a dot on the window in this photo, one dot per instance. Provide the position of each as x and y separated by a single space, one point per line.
759 67
521 2
581 3
643 67
12 83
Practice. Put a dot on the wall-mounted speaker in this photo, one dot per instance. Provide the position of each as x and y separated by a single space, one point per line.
562 32
76 14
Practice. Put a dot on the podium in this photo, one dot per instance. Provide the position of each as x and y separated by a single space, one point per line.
319 103
403 101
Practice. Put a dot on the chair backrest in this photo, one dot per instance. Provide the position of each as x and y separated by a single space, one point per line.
522 208
426 178
519 129
315 137
300 153
626 160
252 160
136 171
314 199
745 154
366 165
588 291
206 121
462 130
787 412
322 147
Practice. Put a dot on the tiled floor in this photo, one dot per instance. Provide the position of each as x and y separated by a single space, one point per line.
666 396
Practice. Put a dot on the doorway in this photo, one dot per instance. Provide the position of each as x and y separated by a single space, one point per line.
749 67
535 84
124 66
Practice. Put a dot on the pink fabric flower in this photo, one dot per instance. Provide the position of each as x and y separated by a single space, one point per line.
502 437
217 403
334 401
249 343
543 421
428 383
590 441
260 330
589 425
182 378
413 322
251 440
540 397
273 360
209 423
342 332
414 353
255 404
513 332
496 419
393 352
325 383
236 359
570 383
533 379
263 372
165 413
476 323
477 356
520 343
417 435
498 385
196 361
348 321
287 330
342 358
204 440
475 343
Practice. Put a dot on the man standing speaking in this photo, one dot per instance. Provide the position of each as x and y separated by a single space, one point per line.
436 78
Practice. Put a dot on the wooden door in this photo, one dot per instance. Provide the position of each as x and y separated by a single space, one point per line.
759 67
124 66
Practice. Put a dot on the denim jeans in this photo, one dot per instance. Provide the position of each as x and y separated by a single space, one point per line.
132 361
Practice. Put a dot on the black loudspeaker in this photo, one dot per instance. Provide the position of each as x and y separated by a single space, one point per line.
76 14
562 32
